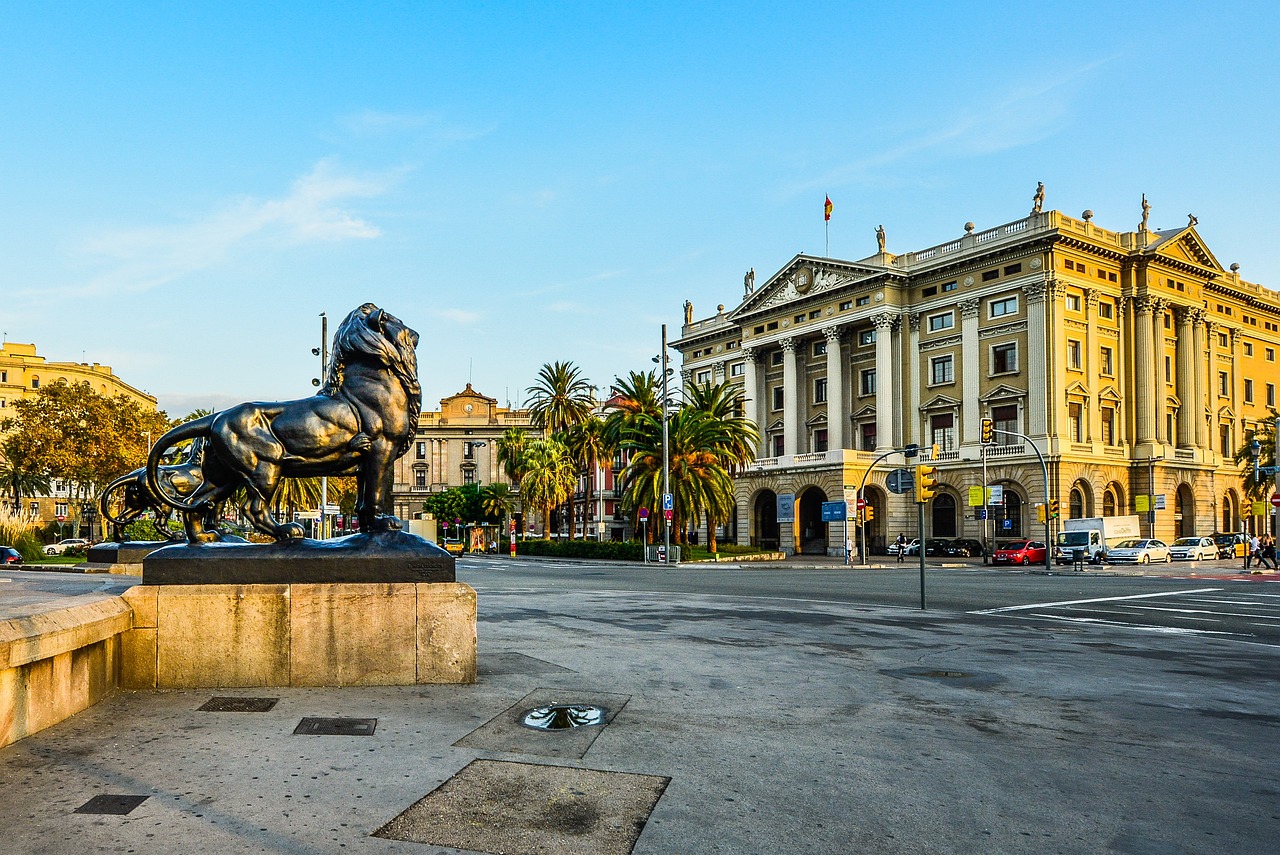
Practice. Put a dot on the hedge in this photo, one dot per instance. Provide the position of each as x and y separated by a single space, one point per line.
607 549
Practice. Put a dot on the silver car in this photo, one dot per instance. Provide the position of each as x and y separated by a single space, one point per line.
1194 549
1139 552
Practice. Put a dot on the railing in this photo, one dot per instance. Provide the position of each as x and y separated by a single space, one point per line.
1012 450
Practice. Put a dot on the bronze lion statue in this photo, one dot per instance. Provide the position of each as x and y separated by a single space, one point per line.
127 498
359 423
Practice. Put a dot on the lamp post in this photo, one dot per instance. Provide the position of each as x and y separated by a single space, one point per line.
484 547
323 352
662 361
1255 450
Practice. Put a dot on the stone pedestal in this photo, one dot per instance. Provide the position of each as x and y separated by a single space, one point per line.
299 634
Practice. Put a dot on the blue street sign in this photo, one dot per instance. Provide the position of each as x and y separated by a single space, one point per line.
833 511
900 481
1007 524
667 503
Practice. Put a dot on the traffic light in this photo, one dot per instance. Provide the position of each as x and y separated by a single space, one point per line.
1040 518
926 482
868 513
1053 509
988 431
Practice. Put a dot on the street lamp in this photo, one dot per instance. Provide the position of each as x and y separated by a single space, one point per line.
662 359
484 547
323 352
1255 451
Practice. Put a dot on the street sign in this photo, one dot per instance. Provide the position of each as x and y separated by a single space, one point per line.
667 514
1267 470
644 513
62 517
1159 497
975 497
1141 503
834 511
900 481
1275 500
980 514
331 509
667 503
1007 524
862 504
995 495
910 451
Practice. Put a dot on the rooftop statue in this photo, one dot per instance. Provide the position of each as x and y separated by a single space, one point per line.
362 420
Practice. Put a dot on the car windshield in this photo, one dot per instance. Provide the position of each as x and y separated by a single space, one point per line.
1186 541
1130 544
1017 544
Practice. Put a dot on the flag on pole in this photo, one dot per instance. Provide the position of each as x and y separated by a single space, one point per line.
826 210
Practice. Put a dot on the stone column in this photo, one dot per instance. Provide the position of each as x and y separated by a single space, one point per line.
1144 371
1093 363
1038 374
972 368
1122 362
792 396
912 380
837 418
1158 427
1201 359
1237 378
1186 378
885 400
751 395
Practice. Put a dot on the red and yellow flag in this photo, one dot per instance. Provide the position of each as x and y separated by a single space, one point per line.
826 209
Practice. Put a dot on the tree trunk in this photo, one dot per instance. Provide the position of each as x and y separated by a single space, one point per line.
711 534
586 503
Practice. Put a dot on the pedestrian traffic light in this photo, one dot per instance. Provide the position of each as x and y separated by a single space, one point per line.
1040 514
926 482
988 431
1053 509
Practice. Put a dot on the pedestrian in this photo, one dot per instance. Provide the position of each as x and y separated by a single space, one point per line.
848 549
1252 551
1269 550
902 546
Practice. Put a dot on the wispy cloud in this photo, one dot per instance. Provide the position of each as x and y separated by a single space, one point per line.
314 210
982 127
456 316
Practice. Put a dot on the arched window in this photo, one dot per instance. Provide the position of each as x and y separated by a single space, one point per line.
1108 503
1076 504
1012 513
944 515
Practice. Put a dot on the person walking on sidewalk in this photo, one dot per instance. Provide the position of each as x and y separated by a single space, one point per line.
1251 551
902 546
1268 551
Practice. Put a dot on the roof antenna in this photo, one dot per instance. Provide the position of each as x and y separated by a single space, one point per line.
470 361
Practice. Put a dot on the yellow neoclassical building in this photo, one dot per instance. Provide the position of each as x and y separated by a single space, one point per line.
1133 361
23 372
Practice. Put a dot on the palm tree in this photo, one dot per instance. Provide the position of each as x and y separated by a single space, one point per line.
549 476
561 398
1265 434
21 476
294 493
723 402
498 500
636 395
510 447
587 445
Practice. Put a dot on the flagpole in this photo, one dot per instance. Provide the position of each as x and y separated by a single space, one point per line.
827 229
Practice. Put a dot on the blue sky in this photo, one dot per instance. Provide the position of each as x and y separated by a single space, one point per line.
186 187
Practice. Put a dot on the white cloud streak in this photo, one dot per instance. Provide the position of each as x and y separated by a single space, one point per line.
314 210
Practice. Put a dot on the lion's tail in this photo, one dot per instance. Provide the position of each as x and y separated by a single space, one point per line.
194 429
105 495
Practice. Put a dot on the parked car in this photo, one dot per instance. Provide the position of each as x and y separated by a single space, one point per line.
1139 552
965 547
1019 552
453 545
936 546
1231 545
9 555
1194 549
892 548
71 544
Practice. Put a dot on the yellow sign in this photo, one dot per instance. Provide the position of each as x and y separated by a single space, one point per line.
1260 509
976 497
1142 503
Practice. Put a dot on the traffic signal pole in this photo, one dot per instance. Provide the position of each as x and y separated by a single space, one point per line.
920 528
1048 547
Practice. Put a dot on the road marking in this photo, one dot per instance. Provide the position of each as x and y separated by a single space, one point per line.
1161 630
1092 600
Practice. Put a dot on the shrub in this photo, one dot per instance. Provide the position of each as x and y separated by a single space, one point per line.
605 550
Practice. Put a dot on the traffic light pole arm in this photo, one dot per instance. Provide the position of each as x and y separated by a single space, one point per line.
862 535
1048 547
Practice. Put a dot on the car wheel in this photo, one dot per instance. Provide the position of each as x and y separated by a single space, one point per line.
1025 560
1146 559
49 550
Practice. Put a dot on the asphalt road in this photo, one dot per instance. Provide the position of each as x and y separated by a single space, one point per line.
1210 598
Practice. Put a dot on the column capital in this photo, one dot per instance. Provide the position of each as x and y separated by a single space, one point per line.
750 354
886 321
1036 292
1091 298
1236 334
969 308
1147 305
834 335
788 344
913 322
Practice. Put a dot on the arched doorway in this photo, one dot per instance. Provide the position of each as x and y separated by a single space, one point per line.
874 531
1013 514
1108 503
1080 501
764 515
1229 514
944 516
1185 511
812 530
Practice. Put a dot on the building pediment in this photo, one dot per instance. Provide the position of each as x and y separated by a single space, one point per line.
820 420
1077 390
776 424
1225 413
940 402
804 276
1003 393
1109 393
1186 246
1173 401
867 412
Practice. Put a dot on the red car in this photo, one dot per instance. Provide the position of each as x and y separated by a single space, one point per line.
1019 552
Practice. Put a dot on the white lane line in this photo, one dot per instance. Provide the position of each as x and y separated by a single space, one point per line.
1161 630
1093 600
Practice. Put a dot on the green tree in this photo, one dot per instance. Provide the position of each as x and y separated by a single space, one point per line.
1265 434
588 444
549 476
19 474
723 403
637 395
510 448
499 500
560 399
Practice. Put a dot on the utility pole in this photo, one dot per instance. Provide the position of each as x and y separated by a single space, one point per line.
323 352
666 465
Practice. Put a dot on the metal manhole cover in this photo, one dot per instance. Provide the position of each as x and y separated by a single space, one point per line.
239 704
336 727
563 717
113 805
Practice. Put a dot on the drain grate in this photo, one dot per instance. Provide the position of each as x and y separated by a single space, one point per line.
336 727
239 704
562 717
112 805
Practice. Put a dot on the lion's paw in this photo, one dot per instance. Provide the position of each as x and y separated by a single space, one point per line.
290 531
385 523
360 442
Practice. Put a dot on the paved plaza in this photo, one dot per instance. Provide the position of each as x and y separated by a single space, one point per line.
734 724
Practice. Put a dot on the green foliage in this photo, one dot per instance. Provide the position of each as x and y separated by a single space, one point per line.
561 398
549 476
629 550
460 503
1265 434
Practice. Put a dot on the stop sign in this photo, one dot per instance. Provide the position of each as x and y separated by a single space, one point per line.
1275 500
